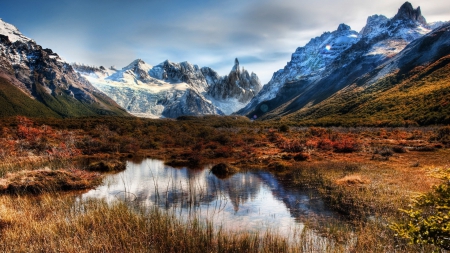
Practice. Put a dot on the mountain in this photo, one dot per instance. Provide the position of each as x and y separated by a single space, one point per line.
333 61
233 91
412 87
173 89
36 82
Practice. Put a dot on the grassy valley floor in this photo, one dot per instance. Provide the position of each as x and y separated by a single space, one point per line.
367 174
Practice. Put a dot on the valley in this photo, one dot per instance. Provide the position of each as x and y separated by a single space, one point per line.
365 174
345 149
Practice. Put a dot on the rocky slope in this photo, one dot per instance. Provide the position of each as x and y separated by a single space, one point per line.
173 89
335 60
412 87
38 74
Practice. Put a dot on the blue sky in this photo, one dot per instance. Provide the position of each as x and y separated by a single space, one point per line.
261 33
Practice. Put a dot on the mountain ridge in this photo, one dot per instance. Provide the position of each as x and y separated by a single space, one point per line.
296 88
174 89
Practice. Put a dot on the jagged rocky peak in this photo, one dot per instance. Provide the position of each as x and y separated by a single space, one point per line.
407 12
238 84
343 27
407 25
183 72
236 65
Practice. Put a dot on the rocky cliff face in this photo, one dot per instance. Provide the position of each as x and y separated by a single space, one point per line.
174 89
44 76
334 60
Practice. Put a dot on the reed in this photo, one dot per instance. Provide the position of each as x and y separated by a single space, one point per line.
64 223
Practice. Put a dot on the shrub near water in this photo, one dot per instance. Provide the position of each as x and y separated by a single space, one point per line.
107 166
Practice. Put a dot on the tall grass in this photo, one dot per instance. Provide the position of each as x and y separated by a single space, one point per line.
61 223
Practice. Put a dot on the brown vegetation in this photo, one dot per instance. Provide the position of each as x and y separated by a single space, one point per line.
46 180
107 166
365 173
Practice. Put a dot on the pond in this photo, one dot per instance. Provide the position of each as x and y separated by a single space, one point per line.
250 201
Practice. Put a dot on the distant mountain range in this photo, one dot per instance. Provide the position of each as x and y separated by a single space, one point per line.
393 72
173 89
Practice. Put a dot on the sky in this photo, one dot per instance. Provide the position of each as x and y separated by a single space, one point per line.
262 34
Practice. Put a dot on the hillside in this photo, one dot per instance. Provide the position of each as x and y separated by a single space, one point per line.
412 87
14 102
420 96
36 82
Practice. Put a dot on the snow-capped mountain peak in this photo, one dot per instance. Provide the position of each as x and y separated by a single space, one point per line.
137 70
317 69
138 64
373 25
12 32
309 62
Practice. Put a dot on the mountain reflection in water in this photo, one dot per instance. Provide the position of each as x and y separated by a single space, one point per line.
245 201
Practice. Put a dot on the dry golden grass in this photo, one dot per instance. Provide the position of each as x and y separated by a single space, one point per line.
63 224
352 180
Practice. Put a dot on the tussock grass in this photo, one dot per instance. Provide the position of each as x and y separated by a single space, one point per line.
107 166
46 180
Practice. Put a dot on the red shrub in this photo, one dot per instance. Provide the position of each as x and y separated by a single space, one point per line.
346 144
325 144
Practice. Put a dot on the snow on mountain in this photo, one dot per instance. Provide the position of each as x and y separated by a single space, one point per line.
12 32
135 71
180 72
308 62
171 89
333 60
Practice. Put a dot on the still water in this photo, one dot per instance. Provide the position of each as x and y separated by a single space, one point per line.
243 202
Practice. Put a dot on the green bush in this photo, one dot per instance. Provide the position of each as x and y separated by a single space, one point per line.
428 220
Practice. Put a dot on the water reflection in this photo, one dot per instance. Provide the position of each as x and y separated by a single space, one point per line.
244 201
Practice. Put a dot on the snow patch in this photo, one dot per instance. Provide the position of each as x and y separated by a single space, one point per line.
12 32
